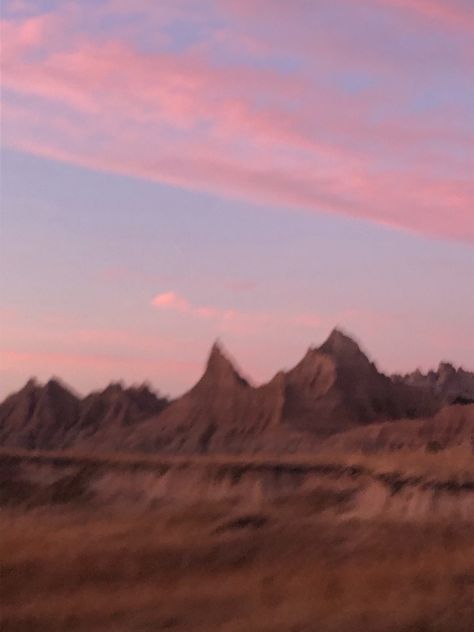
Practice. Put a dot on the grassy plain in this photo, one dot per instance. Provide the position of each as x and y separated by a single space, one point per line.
207 568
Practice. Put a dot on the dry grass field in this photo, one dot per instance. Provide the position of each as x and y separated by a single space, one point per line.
208 567
309 560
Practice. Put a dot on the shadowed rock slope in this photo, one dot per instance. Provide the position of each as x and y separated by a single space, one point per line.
336 386
38 417
52 417
107 416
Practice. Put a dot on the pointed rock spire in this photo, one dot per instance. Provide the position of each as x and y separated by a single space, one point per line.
220 366
338 338
340 344
31 385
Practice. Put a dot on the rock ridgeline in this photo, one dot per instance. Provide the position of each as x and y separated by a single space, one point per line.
52 417
333 390
452 385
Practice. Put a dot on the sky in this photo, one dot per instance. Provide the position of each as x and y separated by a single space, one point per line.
257 171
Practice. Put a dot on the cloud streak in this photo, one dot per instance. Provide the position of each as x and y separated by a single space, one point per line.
455 13
374 142
232 320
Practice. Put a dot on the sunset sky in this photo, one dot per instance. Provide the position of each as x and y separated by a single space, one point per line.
260 171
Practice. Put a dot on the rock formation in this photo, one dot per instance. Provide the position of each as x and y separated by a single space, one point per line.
38 417
106 416
335 388
51 417
450 384
221 412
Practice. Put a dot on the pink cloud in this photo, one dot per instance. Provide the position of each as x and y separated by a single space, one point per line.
458 13
171 300
243 131
230 320
21 36
69 334
174 301
206 312
55 360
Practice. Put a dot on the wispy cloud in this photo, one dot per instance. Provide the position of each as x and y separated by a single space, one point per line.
234 320
360 126
451 13
171 300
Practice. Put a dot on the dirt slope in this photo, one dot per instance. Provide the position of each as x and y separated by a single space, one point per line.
451 426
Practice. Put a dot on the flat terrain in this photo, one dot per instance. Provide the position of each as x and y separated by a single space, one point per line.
210 568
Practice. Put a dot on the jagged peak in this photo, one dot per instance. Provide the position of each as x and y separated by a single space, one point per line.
217 349
55 386
141 387
446 367
55 383
114 387
339 337
219 363
339 343
218 356
31 388
31 385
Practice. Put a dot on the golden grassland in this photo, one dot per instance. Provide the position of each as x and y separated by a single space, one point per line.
299 563
208 568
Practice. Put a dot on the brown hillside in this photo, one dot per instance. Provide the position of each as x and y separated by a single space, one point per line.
222 411
451 426
38 417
